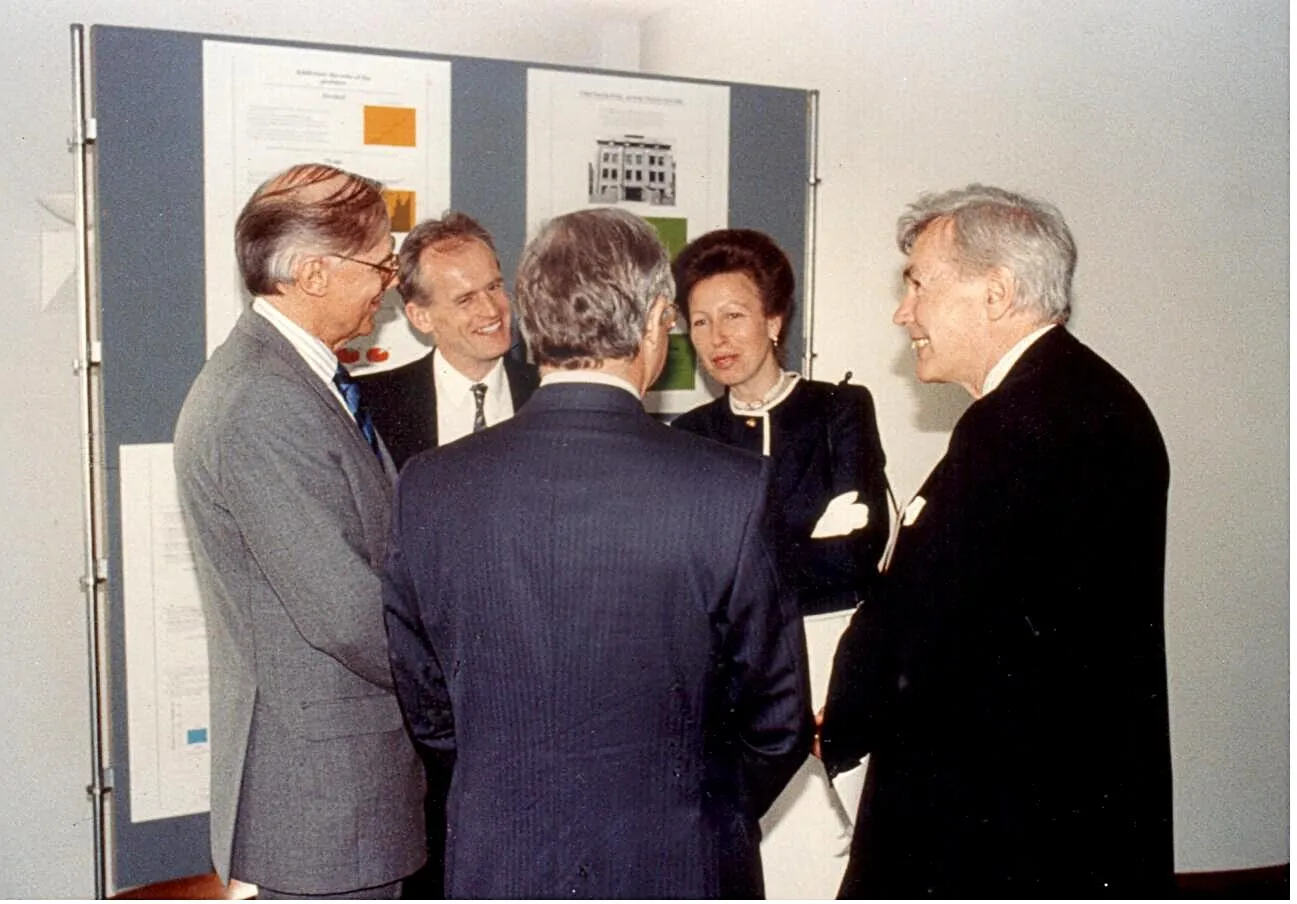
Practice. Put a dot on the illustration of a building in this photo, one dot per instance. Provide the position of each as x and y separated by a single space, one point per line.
632 168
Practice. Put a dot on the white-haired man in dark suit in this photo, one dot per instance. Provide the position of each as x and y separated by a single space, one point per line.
1009 682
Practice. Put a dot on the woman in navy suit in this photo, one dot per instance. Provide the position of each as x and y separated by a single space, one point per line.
828 496
735 289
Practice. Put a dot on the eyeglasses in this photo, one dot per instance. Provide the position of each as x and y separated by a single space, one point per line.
388 267
669 316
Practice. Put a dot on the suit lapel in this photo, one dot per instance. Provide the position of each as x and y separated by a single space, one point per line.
951 473
270 341
522 381
423 386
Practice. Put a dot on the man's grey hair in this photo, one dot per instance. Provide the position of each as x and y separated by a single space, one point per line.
308 209
996 228
585 285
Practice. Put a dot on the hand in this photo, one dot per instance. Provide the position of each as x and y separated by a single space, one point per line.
815 741
843 515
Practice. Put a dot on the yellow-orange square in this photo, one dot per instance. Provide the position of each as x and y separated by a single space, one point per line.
392 126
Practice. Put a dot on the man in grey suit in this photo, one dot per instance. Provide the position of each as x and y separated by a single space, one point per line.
582 605
454 294
285 487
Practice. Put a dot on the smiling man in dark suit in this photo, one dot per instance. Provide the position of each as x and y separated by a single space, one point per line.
1010 682
454 294
582 604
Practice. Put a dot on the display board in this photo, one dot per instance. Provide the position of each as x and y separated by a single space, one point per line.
155 264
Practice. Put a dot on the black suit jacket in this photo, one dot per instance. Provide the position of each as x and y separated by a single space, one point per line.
1010 682
581 603
403 402
824 442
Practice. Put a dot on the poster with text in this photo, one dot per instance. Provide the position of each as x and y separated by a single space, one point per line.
166 643
266 108
658 149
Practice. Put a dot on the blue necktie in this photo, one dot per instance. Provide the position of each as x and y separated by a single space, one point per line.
350 390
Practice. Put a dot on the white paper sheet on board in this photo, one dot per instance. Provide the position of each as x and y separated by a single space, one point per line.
659 149
166 643
266 108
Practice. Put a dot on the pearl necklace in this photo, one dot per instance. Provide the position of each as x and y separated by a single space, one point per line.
776 394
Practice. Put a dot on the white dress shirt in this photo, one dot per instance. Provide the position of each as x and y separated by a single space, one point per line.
1002 367
456 407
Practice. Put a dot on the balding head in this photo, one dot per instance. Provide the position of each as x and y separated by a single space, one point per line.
311 208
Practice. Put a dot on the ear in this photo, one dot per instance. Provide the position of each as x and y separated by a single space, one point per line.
655 331
420 316
774 326
313 276
1001 290
651 358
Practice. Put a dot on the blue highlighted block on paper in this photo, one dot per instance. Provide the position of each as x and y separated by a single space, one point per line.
196 736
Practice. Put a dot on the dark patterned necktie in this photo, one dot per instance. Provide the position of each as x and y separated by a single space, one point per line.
350 390
479 416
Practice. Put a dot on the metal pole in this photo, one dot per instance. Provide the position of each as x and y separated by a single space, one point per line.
812 195
87 365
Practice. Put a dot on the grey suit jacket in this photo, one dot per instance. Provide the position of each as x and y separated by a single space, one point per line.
316 787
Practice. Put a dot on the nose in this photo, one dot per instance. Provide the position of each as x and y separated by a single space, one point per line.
484 304
904 313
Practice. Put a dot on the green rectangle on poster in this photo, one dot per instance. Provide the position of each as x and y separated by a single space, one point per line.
673 231
681 367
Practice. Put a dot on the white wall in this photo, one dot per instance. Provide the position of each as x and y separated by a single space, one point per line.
45 833
1160 127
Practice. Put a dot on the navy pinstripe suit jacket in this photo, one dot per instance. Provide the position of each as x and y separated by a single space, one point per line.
581 604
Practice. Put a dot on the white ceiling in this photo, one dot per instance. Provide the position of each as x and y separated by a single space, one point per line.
627 9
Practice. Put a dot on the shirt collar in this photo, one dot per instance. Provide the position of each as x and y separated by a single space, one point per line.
317 355
455 383
1002 367
588 376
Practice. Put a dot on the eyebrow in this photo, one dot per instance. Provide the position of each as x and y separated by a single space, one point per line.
471 292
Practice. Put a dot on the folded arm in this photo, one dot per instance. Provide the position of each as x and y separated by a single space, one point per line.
843 549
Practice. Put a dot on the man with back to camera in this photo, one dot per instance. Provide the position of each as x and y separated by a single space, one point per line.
582 605
316 790
454 293
1010 685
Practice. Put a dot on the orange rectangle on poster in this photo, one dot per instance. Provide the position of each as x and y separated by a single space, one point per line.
391 126
401 208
